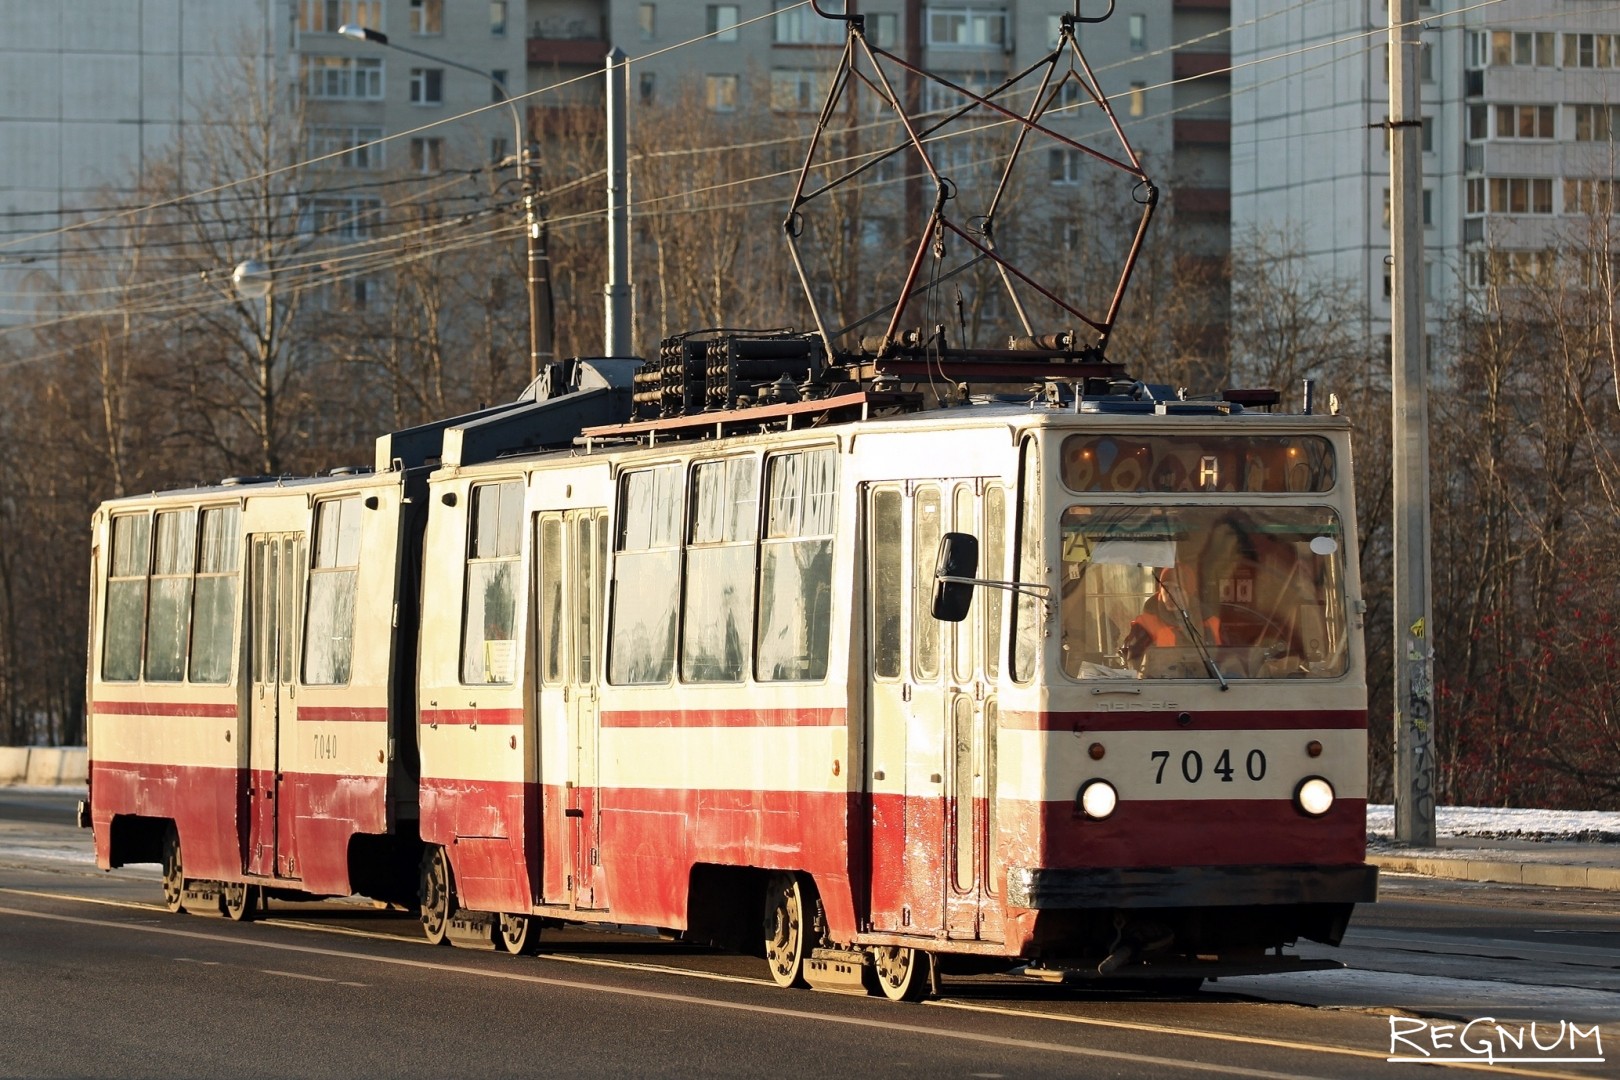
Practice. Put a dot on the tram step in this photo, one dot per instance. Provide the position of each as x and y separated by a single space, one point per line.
837 971
472 930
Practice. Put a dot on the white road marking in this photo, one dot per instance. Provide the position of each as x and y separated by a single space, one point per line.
680 999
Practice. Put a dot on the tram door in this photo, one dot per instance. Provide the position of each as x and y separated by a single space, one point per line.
926 710
277 564
571 547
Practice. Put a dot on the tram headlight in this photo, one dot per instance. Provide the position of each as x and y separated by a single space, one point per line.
1097 799
1314 796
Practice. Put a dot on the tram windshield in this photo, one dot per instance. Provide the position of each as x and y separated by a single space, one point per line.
1186 592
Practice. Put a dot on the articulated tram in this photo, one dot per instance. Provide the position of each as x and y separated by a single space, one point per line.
1070 683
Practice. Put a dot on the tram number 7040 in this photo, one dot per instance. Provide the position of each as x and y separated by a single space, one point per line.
1192 766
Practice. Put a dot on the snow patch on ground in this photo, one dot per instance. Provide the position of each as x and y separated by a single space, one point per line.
1576 826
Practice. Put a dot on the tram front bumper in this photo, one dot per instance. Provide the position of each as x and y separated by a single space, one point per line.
1054 889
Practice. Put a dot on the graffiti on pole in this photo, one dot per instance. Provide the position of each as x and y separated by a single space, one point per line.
1419 718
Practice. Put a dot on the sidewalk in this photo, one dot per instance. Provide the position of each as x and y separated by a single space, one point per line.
1516 862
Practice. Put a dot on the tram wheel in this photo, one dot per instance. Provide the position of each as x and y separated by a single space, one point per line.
174 872
902 973
239 901
786 937
518 934
437 895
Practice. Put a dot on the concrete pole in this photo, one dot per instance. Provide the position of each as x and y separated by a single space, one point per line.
1414 653
619 292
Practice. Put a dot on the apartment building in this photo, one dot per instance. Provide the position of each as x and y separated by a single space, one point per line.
1162 61
1517 100
96 91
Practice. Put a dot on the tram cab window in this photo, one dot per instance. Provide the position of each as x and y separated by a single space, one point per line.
1161 592
795 566
124 626
489 652
213 620
646 576
333 582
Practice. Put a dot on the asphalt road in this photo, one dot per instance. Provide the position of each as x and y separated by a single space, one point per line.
100 981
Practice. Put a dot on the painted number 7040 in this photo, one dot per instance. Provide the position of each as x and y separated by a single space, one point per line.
1192 766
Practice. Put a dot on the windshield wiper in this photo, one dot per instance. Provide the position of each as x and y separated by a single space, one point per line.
1193 633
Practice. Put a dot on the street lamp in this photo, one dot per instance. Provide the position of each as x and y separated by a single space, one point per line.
541 348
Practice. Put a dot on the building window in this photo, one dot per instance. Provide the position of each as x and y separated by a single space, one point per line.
795 24
1596 123
798 89
1138 99
1524 49
647 21
427 155
1590 196
966 27
1064 165
1591 50
648 87
499 149
720 21
883 30
341 217
497 90
1511 121
940 98
427 18
1520 195
1138 29
347 147
1428 208
343 78
1475 194
497 17
427 86
325 16
720 93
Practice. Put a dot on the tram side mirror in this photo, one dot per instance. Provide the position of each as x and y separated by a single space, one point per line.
958 562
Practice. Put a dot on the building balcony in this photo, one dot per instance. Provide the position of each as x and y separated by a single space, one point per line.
567 52
1190 65
1190 131
1222 6
1215 202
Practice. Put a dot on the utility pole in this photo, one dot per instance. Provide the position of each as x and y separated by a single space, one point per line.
1414 627
617 339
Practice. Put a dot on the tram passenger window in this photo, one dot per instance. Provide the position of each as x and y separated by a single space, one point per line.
795 567
719 604
168 622
553 630
646 576
887 593
1029 628
924 550
995 569
333 582
125 625
489 653
213 619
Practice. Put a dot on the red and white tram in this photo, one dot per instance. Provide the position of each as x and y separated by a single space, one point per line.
693 676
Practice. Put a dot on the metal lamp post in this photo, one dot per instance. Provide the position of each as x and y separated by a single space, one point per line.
541 346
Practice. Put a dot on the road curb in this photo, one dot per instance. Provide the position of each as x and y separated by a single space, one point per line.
1494 868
